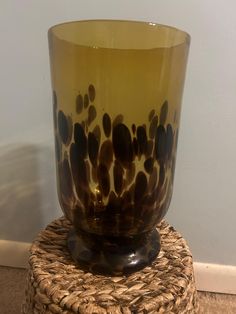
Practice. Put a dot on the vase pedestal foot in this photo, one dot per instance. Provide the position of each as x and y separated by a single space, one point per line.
113 255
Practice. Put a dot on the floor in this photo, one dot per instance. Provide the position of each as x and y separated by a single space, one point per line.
12 281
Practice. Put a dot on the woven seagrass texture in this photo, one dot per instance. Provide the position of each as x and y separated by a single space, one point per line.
56 285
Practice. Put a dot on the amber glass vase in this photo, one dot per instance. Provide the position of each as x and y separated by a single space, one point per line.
117 89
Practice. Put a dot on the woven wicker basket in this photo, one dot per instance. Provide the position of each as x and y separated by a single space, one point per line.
56 285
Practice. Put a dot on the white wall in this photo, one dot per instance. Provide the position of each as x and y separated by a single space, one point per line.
203 207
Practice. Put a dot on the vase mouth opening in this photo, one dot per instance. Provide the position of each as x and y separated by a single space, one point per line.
119 34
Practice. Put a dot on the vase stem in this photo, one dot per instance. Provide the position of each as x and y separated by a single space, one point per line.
113 255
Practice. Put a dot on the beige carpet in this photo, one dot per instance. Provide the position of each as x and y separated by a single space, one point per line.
12 281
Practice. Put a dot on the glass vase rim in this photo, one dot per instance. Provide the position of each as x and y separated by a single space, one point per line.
186 37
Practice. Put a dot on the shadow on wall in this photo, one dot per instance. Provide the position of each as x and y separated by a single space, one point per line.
28 199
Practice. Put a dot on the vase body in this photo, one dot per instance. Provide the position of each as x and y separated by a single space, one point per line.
117 90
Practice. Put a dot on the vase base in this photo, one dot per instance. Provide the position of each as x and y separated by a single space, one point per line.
113 255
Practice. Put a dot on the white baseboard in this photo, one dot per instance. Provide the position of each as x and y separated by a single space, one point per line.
209 277
215 278
14 253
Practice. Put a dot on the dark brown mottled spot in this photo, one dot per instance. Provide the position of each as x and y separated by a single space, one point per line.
93 148
113 202
97 133
127 198
147 219
78 168
148 165
86 199
169 140
152 180
79 103
106 153
78 165
87 169
70 129
135 146
78 217
92 113
140 186
86 101
128 221
80 139
83 124
65 180
103 179
91 92
94 174
160 143
112 209
161 174
63 126
117 120
106 121
122 143
153 127
131 190
151 114
133 128
125 184
149 148
130 173
118 173
142 139
164 113
112 197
